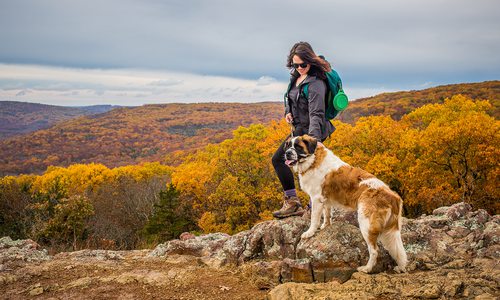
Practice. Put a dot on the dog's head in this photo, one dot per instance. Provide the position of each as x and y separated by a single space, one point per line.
299 149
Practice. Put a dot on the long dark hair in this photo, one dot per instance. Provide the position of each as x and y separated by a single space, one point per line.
318 64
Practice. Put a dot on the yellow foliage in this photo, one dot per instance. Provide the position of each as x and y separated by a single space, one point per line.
208 224
437 155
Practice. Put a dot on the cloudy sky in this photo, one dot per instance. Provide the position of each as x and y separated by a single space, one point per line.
130 52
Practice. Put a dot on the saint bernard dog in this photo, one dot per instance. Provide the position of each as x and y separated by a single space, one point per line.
330 182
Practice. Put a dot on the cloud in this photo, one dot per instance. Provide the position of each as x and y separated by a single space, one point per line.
66 86
245 39
133 87
166 82
169 49
266 80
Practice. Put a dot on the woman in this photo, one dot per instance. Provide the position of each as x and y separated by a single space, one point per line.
307 115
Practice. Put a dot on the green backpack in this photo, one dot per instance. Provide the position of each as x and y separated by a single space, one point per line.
335 100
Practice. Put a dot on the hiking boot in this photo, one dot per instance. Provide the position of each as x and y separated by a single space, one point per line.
291 207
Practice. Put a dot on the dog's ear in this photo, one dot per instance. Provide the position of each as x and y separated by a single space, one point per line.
311 143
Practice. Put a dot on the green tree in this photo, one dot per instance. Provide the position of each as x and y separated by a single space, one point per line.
170 217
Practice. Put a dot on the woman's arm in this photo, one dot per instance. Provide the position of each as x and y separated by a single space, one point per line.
317 91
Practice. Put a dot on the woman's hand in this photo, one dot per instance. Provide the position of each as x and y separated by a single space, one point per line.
289 118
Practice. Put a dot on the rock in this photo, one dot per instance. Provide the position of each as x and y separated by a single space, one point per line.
204 245
485 296
480 216
337 250
428 291
350 217
450 237
186 236
275 239
298 270
339 242
79 283
36 291
18 252
291 291
265 274
440 211
7 242
331 271
235 246
7 278
458 232
87 254
458 210
454 284
491 233
453 288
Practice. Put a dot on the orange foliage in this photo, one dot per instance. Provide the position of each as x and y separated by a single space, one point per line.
132 135
436 155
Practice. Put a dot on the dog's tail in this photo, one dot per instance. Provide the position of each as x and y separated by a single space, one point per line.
395 219
391 238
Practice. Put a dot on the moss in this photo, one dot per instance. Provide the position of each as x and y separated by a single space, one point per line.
415 248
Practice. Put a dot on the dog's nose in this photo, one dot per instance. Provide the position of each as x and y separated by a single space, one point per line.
289 153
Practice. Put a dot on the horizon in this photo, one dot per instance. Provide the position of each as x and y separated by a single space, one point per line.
235 102
132 53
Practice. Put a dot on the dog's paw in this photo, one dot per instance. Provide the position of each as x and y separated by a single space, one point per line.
364 269
307 234
399 269
323 226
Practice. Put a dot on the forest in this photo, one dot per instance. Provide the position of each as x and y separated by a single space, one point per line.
130 135
435 155
134 135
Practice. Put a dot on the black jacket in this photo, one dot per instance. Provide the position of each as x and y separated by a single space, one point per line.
309 114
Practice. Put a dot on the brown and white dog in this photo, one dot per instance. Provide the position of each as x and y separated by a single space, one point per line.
330 182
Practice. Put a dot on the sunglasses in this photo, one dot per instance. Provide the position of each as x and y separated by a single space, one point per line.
302 65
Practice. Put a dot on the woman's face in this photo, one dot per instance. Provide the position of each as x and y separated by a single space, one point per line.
298 64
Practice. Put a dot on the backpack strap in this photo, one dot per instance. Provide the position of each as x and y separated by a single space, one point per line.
285 96
305 90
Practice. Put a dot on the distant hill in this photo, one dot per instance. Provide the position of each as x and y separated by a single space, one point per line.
398 104
130 135
22 117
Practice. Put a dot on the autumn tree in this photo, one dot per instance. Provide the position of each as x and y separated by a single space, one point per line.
456 155
69 221
232 184
15 198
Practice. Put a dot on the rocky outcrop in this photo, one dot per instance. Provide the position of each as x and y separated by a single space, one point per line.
452 282
452 253
449 234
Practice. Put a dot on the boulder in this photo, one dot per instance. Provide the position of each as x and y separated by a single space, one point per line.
14 253
451 237
204 245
